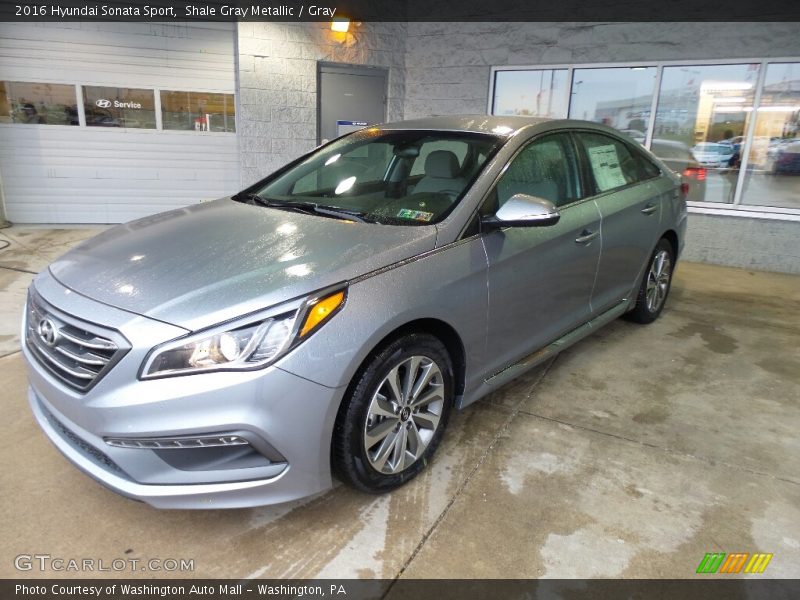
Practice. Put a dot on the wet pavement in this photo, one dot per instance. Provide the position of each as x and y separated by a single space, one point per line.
631 454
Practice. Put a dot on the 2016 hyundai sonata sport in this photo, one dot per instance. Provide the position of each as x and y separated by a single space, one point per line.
327 320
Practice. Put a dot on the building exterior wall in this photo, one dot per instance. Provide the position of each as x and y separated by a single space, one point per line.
448 70
277 70
448 64
757 244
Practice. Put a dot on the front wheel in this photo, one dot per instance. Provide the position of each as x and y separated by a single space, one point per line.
655 285
395 415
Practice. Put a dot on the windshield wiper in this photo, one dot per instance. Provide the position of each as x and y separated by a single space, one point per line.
306 207
251 197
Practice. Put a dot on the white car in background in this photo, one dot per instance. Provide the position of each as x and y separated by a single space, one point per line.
710 154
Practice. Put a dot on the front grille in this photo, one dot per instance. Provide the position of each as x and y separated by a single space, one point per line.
76 352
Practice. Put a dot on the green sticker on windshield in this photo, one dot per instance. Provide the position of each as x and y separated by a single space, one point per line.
417 215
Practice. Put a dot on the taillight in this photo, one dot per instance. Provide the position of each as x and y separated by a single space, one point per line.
696 173
685 190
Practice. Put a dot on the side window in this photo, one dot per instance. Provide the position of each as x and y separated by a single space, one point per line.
613 164
648 168
546 168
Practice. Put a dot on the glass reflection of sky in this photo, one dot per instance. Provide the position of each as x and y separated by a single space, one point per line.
593 87
530 93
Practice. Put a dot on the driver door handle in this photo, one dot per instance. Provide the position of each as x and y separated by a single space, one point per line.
586 236
650 209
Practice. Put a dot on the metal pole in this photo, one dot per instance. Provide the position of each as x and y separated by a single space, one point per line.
744 151
651 125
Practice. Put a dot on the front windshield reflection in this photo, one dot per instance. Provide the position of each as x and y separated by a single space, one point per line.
388 177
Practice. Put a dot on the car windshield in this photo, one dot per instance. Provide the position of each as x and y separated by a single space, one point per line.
400 177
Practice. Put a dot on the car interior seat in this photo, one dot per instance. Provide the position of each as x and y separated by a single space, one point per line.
441 174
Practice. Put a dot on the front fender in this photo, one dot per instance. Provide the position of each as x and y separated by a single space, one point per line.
448 284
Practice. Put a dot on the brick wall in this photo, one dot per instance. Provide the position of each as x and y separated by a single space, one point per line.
448 68
448 64
758 244
277 65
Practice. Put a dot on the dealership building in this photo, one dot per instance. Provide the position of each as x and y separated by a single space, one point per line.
104 122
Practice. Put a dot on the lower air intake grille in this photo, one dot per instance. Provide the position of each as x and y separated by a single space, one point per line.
98 457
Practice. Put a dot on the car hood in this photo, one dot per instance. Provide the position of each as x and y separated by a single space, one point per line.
204 264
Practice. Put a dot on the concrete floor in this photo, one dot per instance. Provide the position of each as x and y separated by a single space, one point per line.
630 455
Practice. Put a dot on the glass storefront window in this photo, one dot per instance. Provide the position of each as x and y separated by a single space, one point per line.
705 109
38 103
773 166
198 111
119 107
539 93
620 97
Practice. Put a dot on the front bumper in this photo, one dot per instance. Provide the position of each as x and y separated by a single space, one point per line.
289 416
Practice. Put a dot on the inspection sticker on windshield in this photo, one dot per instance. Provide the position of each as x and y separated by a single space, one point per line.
417 215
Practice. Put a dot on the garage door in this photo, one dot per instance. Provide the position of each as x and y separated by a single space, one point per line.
106 122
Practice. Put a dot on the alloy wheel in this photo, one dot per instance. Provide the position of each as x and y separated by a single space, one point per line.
404 414
658 278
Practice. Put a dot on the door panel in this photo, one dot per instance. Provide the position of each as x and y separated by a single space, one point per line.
631 221
540 282
630 209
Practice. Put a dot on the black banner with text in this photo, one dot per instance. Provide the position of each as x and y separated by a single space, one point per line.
400 10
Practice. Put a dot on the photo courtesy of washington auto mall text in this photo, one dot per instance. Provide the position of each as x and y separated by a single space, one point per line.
168 590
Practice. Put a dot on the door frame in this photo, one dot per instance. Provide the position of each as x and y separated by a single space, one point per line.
348 69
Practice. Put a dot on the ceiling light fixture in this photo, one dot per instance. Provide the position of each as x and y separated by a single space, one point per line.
340 24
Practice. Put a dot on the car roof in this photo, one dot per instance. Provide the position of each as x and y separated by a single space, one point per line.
496 125
500 125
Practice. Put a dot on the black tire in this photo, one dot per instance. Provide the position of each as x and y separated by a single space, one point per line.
351 460
645 310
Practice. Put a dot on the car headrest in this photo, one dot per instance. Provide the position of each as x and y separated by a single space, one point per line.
441 163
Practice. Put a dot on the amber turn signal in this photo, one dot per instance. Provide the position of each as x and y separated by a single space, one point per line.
321 311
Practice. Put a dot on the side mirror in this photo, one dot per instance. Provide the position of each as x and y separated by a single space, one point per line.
522 210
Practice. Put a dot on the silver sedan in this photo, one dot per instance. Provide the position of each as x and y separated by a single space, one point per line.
326 321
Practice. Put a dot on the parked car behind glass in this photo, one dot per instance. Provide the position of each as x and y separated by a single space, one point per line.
678 157
327 320
710 154
786 159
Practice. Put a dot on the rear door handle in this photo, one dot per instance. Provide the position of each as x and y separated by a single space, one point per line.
587 236
650 209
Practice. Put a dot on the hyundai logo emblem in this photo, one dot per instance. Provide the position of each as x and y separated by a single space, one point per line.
47 332
103 103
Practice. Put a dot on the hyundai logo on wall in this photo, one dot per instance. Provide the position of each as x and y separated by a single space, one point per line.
103 103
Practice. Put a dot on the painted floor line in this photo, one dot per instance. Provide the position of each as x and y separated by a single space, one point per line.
18 270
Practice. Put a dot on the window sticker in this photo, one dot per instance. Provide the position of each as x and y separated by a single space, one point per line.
417 215
605 165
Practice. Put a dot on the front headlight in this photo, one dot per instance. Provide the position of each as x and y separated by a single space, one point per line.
239 347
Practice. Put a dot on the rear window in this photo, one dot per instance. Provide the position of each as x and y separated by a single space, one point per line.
615 164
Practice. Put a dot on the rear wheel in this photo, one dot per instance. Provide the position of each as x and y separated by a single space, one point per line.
394 417
655 284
